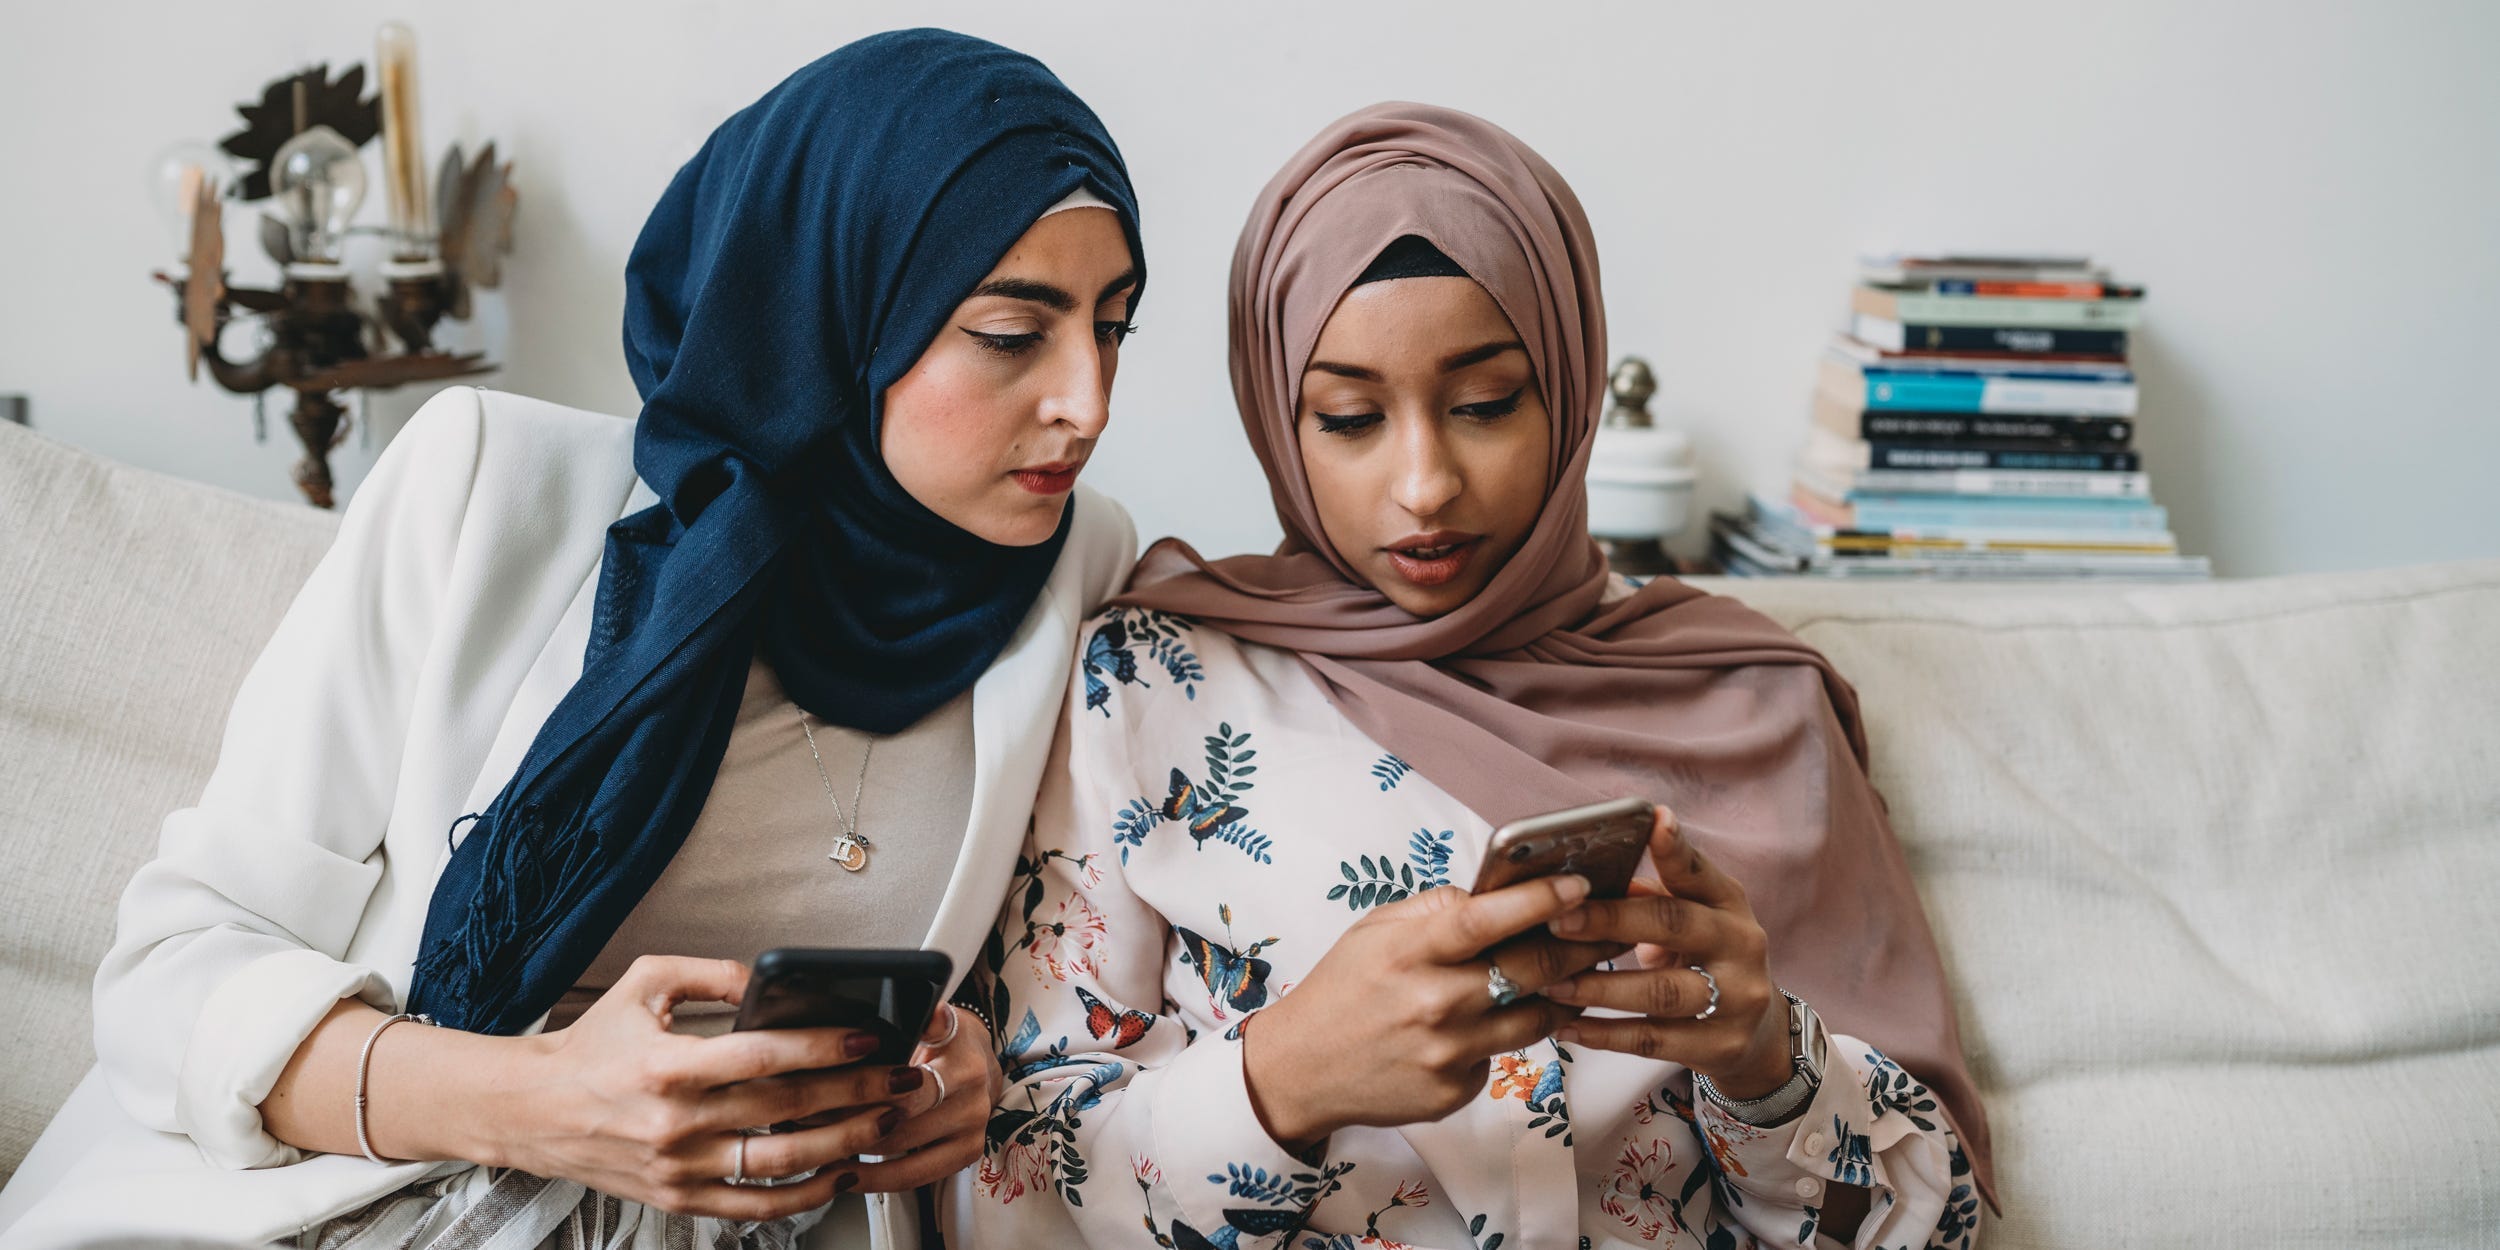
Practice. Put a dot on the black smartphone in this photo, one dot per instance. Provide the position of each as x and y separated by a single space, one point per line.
1603 842
890 994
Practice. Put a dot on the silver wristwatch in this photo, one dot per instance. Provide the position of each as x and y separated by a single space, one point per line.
1806 1044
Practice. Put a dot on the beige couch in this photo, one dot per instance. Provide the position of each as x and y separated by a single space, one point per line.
2216 868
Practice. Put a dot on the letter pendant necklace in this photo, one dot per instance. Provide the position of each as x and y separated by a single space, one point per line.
851 848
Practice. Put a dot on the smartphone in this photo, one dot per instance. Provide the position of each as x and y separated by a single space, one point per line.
1603 842
890 994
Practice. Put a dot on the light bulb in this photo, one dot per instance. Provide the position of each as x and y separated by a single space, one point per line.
174 186
319 180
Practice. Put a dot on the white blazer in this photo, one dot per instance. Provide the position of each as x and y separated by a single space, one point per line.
400 691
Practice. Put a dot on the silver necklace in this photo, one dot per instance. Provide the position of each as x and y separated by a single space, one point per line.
851 848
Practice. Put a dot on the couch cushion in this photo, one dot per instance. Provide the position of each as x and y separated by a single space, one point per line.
133 604
2216 870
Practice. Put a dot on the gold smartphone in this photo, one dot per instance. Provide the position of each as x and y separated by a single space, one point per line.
1603 842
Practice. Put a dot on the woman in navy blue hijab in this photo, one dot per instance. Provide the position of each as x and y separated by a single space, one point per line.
551 745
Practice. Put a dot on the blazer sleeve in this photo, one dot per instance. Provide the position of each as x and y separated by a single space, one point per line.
230 946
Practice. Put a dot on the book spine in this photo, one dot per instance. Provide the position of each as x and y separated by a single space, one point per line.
2021 290
1928 337
2014 483
1986 310
1929 456
1876 390
2053 432
1923 512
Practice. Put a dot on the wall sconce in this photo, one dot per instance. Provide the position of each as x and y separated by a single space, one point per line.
301 149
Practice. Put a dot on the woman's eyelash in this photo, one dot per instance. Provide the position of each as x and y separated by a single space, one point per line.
1493 409
1351 424
1004 344
1106 332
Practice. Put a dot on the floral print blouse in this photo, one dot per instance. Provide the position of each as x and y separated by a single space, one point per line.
1209 825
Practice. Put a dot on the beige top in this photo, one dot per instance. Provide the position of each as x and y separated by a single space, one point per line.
754 872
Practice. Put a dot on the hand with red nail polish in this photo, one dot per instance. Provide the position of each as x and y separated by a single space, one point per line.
933 1138
621 1104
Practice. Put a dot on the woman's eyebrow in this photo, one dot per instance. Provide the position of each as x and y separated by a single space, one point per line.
1027 289
1478 354
1117 285
1451 363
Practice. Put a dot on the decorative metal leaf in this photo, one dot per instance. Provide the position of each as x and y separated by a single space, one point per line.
380 372
277 240
477 207
205 289
269 124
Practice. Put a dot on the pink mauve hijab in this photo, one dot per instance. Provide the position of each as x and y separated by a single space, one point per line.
1537 694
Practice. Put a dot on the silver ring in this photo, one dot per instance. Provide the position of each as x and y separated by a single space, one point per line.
954 1025
934 1075
1502 989
739 1176
1713 1009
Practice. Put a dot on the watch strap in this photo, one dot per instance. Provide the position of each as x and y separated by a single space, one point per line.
1807 1045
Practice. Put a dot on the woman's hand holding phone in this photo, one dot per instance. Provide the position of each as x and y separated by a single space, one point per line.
622 1105
1396 1024
939 1136
1695 915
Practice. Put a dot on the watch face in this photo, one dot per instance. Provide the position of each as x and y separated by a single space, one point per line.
1805 1033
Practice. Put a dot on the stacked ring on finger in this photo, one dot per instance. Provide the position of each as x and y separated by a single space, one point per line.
937 1077
1713 1009
1499 987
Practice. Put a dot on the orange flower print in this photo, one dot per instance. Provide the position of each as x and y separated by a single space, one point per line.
1069 944
1637 1192
1723 1152
1513 1077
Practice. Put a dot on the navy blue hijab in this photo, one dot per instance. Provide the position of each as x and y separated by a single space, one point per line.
793 270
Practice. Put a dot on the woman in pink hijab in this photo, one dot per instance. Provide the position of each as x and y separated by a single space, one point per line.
1238 1004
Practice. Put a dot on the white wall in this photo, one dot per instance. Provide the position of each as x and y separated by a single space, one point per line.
2311 190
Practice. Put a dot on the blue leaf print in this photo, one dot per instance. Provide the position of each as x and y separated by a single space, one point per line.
1391 770
1252 842
1134 822
1165 638
1896 1090
1379 881
1430 853
1243 1180
1851 1155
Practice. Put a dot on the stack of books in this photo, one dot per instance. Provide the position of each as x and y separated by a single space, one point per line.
1977 419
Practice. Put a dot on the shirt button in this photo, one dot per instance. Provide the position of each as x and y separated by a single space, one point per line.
1814 1143
1809 1187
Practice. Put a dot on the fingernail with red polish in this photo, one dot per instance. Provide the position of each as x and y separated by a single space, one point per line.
885 1123
904 1080
844 1183
859 1044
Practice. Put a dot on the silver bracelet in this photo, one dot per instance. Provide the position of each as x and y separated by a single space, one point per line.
364 1068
